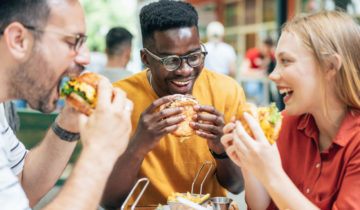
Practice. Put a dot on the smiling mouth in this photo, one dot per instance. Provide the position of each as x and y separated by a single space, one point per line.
181 83
286 91
181 86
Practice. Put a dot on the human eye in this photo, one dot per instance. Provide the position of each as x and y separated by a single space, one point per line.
285 60
71 42
194 57
171 60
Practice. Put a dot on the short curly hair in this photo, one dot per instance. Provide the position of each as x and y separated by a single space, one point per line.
164 15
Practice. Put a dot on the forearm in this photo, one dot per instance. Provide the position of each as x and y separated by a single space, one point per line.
256 196
43 166
229 175
127 168
285 194
85 186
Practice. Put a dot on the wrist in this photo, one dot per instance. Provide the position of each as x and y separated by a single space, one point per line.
64 134
219 155
68 119
137 150
91 155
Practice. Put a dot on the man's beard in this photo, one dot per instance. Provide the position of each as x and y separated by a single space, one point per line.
30 82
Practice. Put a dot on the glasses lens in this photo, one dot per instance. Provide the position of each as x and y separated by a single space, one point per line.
80 40
171 63
195 59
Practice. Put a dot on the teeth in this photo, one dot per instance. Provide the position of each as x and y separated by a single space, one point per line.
285 90
182 83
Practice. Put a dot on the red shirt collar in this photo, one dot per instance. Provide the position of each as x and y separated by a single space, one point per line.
348 128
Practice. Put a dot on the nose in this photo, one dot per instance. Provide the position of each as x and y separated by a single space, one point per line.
83 56
185 69
275 74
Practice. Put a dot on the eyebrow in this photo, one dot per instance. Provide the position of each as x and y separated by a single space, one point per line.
189 52
282 53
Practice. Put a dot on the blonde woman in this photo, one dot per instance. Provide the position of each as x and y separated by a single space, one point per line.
315 163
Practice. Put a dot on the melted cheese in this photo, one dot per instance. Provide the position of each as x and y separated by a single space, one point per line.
88 90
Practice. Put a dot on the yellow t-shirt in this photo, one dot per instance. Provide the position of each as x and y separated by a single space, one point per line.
172 166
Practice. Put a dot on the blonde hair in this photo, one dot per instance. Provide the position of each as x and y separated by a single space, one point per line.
326 34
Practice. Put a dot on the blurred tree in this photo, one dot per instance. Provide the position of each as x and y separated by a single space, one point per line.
101 15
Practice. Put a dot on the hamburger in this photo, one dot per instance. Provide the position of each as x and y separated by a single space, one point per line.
184 130
269 119
80 92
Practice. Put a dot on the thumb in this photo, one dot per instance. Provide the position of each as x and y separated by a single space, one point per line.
255 128
82 121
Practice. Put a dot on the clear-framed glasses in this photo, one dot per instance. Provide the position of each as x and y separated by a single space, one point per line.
173 62
79 39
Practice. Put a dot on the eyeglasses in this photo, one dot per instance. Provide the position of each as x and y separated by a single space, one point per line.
173 62
80 39
76 45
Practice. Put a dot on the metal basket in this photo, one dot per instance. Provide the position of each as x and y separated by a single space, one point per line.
175 205
132 191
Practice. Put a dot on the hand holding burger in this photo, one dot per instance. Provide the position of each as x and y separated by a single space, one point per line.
269 119
187 102
81 92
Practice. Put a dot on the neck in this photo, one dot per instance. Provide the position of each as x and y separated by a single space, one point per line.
329 124
116 62
153 85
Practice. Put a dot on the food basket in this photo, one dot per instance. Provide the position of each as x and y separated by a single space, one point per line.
147 181
200 198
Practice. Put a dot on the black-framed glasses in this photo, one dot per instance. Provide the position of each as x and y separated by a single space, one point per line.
80 39
173 62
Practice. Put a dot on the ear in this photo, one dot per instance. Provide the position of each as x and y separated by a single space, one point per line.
335 64
143 56
19 41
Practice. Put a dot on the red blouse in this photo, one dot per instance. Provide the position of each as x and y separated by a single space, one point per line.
331 178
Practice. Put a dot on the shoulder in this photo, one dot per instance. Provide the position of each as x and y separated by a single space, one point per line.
291 125
218 81
132 82
219 87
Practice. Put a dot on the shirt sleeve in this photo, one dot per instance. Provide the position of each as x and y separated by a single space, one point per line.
348 196
15 151
12 196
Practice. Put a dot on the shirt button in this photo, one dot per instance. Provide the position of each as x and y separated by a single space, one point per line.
307 190
318 165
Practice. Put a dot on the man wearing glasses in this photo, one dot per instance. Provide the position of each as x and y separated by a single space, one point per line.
40 42
175 59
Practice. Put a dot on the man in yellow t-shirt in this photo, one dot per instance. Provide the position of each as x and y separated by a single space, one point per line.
175 59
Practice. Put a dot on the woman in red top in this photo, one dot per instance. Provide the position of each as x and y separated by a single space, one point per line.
315 163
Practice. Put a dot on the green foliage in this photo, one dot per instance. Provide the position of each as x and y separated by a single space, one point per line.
101 15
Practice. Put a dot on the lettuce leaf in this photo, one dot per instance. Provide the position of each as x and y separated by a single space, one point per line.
66 89
275 115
